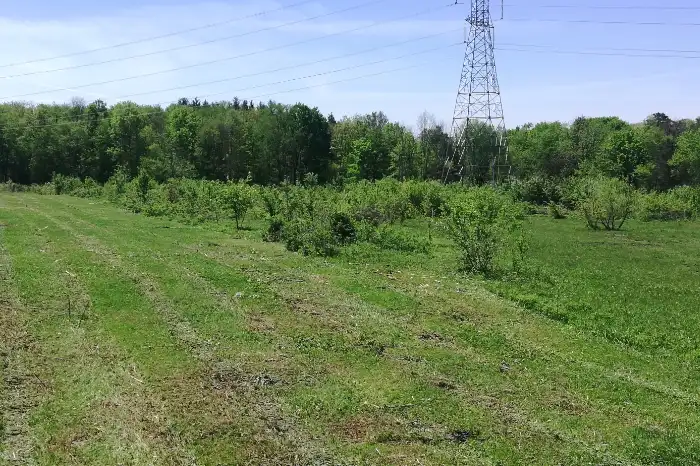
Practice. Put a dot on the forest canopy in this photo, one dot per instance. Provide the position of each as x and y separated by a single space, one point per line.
273 142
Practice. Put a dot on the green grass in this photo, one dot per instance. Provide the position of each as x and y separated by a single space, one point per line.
189 345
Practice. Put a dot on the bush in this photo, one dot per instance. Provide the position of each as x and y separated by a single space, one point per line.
271 200
663 206
65 184
10 187
539 190
274 230
606 202
555 211
369 214
115 187
310 237
88 189
237 199
486 226
343 228
388 237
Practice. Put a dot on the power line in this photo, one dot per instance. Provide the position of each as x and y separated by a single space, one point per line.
162 36
322 60
220 60
624 49
609 54
267 95
608 7
595 21
338 70
196 44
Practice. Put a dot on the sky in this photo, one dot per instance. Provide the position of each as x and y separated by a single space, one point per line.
555 60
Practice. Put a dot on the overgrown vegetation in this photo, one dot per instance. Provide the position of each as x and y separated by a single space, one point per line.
240 351
485 225
605 202
320 220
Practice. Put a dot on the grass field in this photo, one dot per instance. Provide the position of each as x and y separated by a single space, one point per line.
133 340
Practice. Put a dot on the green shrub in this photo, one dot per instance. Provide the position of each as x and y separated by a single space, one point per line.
309 237
89 188
237 198
606 202
539 190
271 200
555 211
689 196
10 187
389 237
65 184
485 225
273 234
143 183
369 214
343 228
115 187
663 206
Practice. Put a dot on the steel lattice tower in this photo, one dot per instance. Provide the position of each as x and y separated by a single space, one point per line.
479 147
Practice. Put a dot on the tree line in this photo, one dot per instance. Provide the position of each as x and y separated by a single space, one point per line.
272 142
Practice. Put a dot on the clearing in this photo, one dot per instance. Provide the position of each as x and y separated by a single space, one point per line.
133 340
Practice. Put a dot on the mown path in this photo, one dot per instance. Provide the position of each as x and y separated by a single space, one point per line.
130 340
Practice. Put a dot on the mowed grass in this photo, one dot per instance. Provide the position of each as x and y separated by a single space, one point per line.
145 341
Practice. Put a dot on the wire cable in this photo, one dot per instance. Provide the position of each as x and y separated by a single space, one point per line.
607 54
608 7
234 57
267 95
595 21
196 44
339 70
624 49
322 60
162 36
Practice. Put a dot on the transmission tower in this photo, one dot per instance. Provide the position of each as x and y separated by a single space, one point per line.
479 148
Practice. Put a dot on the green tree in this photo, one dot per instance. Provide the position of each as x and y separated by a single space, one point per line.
686 159
182 124
127 144
310 142
544 149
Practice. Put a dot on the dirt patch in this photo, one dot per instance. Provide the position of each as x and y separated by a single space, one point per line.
431 336
361 428
567 404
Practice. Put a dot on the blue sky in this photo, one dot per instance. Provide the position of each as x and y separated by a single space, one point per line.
538 81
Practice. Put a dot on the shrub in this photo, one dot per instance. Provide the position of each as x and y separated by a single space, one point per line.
65 184
10 187
89 189
370 214
343 228
310 237
389 237
555 211
143 182
271 200
485 225
274 230
606 202
538 190
663 206
115 187
238 198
